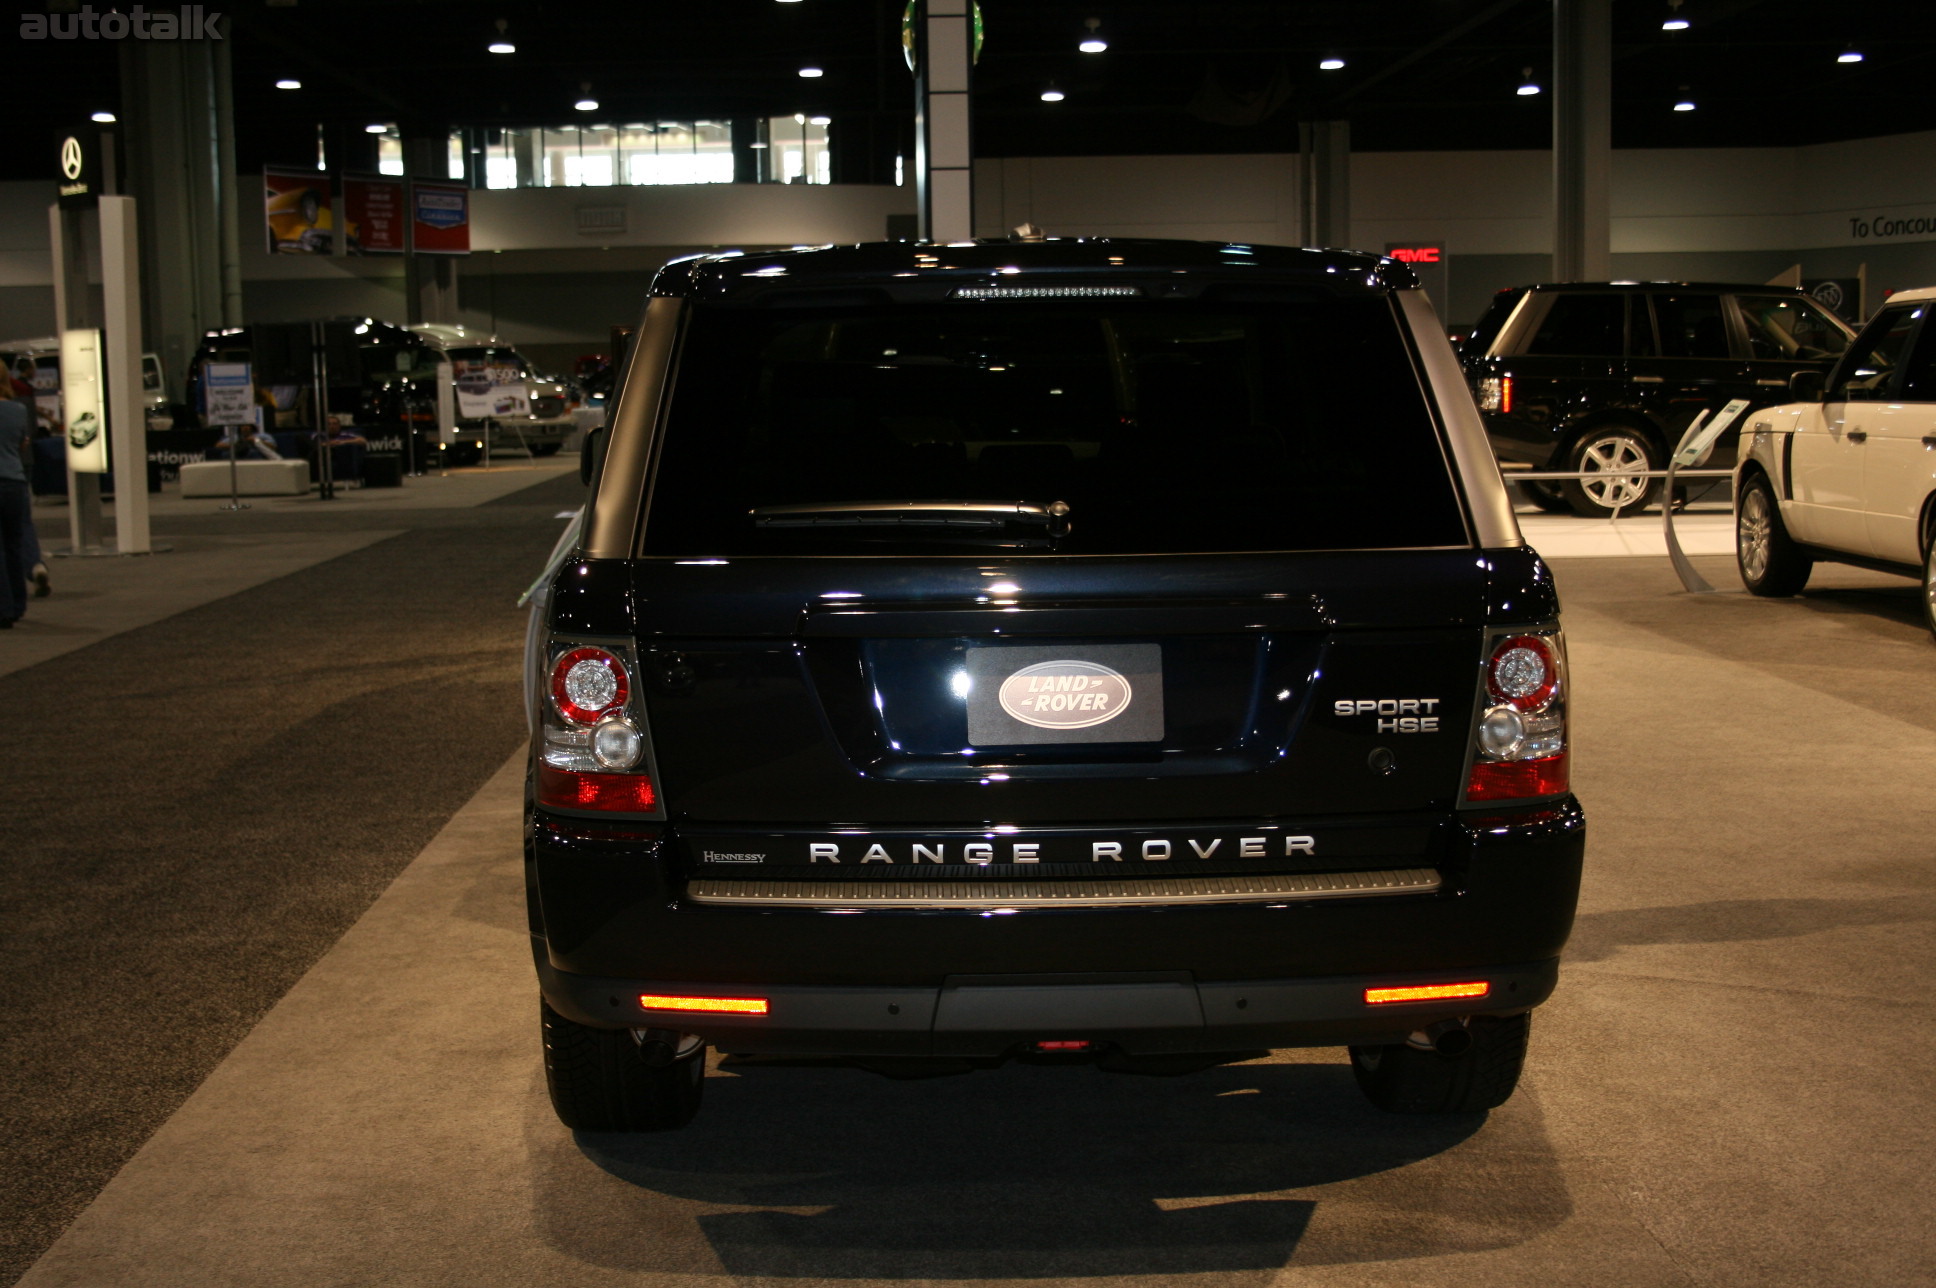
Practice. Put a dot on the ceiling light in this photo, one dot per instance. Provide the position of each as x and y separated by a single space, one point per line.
1675 20
756 144
1685 103
1849 55
586 105
1052 95
811 73
376 129
105 118
1093 43
820 120
1527 85
288 83
502 47
1332 64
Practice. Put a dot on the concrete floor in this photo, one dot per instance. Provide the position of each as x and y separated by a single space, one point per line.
1725 1089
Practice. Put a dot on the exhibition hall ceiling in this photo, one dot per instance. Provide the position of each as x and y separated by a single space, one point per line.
1176 77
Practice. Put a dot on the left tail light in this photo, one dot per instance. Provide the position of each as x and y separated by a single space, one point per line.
594 753
1519 743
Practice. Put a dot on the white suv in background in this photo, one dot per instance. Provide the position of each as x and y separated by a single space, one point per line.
1848 475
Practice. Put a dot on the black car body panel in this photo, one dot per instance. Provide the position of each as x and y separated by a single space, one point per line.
846 814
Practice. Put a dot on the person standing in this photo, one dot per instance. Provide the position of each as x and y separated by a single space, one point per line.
16 508
36 563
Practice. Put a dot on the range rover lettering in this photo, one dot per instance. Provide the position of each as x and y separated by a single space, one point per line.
1093 651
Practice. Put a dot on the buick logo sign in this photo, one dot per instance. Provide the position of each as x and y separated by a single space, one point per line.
1065 694
70 157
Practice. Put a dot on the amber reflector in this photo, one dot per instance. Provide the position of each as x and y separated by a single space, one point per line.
726 1005
1426 992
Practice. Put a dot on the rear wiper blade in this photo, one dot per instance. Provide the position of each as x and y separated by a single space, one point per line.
924 514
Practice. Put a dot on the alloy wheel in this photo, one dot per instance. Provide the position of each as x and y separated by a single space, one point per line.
1751 534
1612 459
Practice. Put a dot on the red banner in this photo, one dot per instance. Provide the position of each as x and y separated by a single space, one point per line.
297 206
374 219
440 218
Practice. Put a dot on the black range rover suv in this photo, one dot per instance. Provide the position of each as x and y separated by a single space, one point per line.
1091 651
1603 378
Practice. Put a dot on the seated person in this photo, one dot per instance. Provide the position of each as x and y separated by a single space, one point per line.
257 444
346 448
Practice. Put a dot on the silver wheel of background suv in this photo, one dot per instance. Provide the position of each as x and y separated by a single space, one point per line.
1615 462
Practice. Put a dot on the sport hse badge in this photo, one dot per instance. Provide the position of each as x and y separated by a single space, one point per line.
1065 694
1019 694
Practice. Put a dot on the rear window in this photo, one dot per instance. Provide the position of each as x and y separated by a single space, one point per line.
1163 427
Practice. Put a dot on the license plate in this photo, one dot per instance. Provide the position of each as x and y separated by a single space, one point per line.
1027 695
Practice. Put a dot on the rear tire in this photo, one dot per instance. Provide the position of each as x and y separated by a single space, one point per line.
1546 496
1605 454
1403 1079
1771 563
599 1081
545 449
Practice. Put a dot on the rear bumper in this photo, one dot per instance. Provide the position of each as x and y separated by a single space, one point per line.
613 919
990 1016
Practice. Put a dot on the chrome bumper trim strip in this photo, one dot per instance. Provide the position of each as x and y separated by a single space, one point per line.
1067 894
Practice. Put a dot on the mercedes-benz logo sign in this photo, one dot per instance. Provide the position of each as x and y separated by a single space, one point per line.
71 158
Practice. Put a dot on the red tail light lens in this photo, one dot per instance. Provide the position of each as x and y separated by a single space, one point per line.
1426 992
573 789
1501 780
586 683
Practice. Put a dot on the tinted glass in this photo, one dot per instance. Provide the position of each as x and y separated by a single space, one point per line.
1582 326
1166 427
1871 363
1919 373
1691 326
1786 326
1486 330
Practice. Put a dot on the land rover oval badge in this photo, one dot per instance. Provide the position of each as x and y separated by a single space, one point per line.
1066 694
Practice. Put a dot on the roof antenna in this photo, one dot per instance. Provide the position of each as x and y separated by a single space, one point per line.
1027 232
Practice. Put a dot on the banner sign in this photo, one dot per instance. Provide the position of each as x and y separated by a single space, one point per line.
489 387
81 399
229 394
296 204
440 218
373 216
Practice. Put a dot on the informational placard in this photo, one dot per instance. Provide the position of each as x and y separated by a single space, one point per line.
440 218
81 398
375 215
229 393
490 387
1699 439
296 205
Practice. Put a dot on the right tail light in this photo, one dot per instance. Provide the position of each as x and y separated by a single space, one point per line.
1519 745
593 752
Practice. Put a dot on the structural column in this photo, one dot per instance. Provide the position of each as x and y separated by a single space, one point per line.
1582 140
177 140
944 52
1324 156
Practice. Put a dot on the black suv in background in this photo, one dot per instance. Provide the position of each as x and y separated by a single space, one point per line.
1104 651
1605 377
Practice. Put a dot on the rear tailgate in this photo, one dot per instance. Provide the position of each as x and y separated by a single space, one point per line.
856 706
